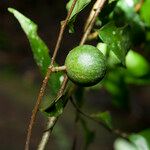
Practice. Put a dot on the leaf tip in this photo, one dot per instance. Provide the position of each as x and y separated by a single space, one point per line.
10 9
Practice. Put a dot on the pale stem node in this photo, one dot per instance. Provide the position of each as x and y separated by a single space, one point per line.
92 36
59 68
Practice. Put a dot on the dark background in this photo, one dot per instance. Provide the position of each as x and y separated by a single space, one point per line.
20 81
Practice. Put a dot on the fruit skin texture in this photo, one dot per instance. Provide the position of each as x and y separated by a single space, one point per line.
86 65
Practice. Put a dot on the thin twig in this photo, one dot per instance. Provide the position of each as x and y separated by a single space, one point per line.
91 20
115 131
35 109
52 120
92 13
62 88
63 26
86 115
45 81
83 39
50 124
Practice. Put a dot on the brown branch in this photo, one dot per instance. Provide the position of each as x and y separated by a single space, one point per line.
52 120
50 124
45 81
63 26
92 17
92 13
83 39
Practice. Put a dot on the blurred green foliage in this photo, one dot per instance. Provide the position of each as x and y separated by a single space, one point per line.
123 28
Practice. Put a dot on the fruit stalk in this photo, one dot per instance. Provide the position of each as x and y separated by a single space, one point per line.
60 68
91 19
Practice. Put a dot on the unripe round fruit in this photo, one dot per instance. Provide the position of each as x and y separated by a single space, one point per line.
85 65
136 64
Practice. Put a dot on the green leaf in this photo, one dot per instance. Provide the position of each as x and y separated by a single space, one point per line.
121 144
111 58
108 8
104 117
56 108
137 69
117 39
139 141
125 13
128 7
146 135
145 13
80 5
39 48
137 65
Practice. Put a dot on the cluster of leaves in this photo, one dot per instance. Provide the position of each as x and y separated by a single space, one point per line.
121 28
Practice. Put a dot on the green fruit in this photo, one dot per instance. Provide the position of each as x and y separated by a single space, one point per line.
136 64
85 65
